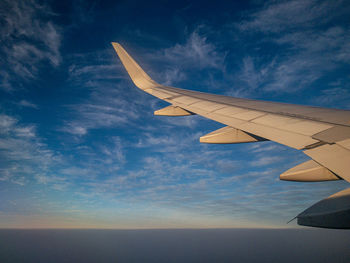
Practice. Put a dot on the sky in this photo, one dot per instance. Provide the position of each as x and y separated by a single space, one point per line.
80 147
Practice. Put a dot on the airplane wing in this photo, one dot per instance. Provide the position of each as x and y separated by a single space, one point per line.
322 134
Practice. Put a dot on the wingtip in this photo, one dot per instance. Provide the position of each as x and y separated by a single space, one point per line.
117 47
115 44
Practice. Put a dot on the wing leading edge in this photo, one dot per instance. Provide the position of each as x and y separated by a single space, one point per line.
322 134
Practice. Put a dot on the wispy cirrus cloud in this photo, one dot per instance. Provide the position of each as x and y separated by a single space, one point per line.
110 101
106 108
338 95
196 51
22 152
25 159
94 67
28 104
309 45
179 60
28 37
279 16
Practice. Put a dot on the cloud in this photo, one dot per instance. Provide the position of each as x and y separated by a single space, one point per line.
28 38
309 45
59 183
27 131
173 75
74 128
22 151
76 171
276 17
94 72
105 109
253 75
338 96
6 123
197 50
265 147
115 151
196 53
111 101
267 160
28 104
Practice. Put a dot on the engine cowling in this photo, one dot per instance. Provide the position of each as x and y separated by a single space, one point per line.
332 212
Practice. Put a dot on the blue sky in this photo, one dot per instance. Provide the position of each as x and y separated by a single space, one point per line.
80 147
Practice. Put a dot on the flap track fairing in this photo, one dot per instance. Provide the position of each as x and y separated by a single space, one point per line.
172 111
229 135
309 171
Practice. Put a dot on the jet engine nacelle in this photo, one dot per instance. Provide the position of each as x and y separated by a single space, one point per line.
332 212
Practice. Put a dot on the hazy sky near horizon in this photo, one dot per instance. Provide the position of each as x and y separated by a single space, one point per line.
80 147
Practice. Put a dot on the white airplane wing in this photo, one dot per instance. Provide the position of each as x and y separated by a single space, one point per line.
322 134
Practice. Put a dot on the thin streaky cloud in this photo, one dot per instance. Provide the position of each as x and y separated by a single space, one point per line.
309 49
29 38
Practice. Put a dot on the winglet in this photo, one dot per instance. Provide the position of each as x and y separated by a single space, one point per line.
136 73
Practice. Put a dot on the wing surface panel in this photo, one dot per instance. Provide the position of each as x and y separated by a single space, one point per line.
332 116
246 120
